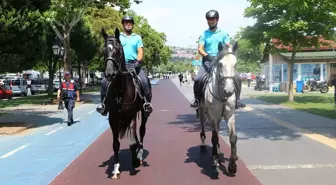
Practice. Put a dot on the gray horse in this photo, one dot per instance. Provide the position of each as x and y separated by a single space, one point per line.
218 101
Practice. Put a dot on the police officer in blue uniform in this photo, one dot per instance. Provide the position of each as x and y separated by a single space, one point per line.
133 51
68 91
208 46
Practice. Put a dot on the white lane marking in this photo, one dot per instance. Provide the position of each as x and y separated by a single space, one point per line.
295 166
165 110
14 151
53 131
91 112
77 119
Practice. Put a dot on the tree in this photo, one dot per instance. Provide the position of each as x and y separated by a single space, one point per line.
249 54
21 37
107 18
86 45
294 23
65 14
156 52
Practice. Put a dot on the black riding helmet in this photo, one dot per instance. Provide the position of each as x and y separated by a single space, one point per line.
212 14
127 18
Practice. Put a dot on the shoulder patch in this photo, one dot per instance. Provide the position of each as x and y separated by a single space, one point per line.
63 80
72 81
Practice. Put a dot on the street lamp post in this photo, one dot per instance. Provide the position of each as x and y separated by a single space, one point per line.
59 51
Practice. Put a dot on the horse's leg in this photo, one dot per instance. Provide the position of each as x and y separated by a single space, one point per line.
116 148
215 140
231 122
134 143
202 134
142 131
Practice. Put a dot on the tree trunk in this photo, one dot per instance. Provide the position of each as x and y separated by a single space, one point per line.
290 76
51 71
67 49
290 79
80 76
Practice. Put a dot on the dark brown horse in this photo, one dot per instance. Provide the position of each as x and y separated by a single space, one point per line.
124 100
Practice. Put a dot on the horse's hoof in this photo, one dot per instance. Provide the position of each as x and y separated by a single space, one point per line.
136 163
115 176
232 168
202 148
215 164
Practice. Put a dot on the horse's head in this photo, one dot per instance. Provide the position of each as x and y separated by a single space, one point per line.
114 54
226 68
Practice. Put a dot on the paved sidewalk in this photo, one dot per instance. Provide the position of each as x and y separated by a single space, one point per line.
281 145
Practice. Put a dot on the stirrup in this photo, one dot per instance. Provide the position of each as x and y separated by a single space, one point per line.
195 103
147 107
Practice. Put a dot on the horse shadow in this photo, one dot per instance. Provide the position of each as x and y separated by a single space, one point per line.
203 159
125 160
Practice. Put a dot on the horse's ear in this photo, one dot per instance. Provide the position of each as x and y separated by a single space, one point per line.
117 33
104 34
235 46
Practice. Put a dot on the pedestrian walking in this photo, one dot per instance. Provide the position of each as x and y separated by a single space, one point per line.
68 91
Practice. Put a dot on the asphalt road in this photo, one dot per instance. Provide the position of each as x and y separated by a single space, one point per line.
172 151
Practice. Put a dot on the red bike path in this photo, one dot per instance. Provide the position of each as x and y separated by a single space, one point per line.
172 147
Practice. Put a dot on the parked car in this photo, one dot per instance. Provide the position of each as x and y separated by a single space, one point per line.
18 86
5 93
39 85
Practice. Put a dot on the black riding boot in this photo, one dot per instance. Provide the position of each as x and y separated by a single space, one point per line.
238 103
238 84
102 108
195 103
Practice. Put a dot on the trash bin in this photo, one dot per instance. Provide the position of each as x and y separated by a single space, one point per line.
299 86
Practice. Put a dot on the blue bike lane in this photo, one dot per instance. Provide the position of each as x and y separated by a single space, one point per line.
38 157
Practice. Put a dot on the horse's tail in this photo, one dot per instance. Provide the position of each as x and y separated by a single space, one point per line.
124 127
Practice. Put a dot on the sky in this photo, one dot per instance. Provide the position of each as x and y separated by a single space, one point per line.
183 21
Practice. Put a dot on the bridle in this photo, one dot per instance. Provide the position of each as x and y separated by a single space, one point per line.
112 59
220 79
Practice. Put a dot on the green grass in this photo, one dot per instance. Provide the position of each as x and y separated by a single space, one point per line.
318 104
26 100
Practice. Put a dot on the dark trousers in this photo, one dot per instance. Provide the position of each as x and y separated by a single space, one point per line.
70 105
249 82
144 80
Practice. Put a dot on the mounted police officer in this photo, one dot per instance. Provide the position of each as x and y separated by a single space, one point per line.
208 46
68 91
133 51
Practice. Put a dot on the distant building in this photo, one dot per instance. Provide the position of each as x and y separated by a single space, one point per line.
310 62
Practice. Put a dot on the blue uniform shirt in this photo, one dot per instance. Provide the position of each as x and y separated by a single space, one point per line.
131 44
210 40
